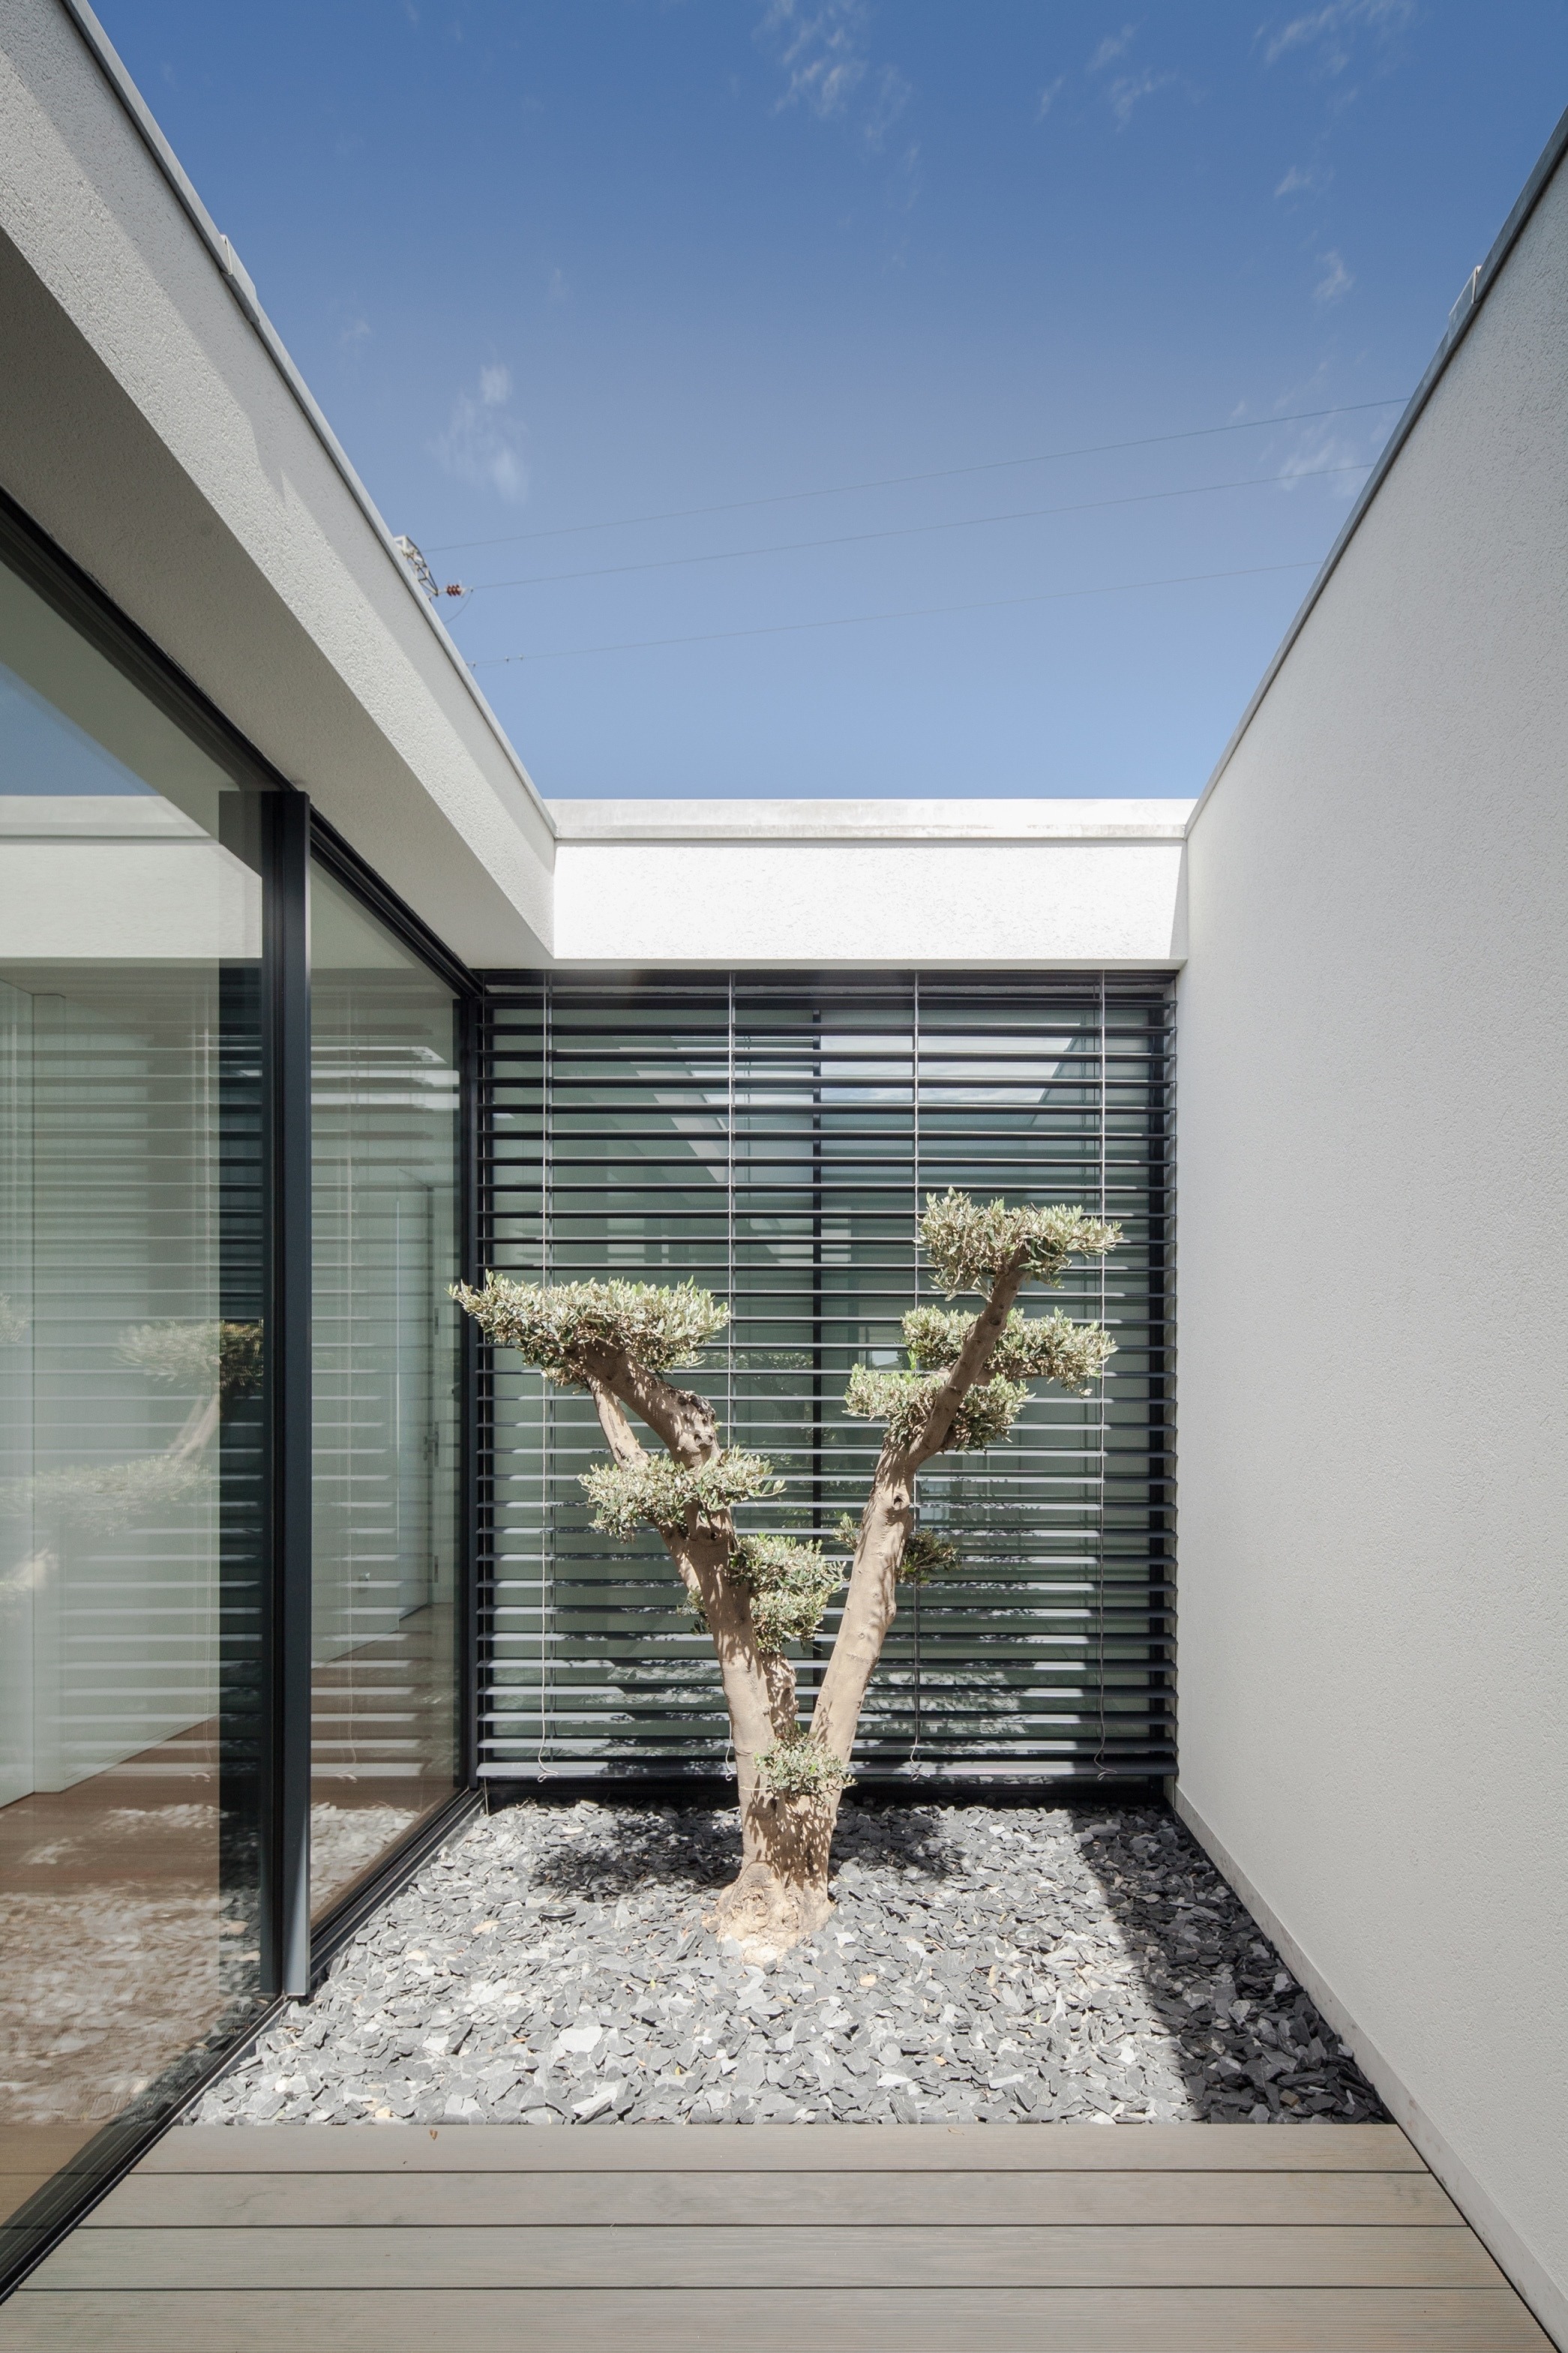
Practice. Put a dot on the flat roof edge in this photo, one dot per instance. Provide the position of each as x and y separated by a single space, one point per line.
607 822
1461 319
237 278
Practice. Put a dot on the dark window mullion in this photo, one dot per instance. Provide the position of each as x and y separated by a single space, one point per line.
285 1066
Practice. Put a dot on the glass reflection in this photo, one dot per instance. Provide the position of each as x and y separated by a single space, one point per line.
384 1123
131 1377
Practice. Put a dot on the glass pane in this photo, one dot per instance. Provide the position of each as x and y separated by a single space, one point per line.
773 1138
386 1340
131 1408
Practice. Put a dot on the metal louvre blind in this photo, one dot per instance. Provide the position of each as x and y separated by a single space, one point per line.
773 1138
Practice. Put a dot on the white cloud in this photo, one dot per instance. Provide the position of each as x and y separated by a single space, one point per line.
483 442
355 332
1331 30
1115 45
893 93
822 51
1319 450
1298 182
1125 93
1336 279
1047 98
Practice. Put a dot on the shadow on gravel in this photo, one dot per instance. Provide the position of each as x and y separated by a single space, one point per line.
681 1850
876 1834
1111 1909
683 1847
1252 2045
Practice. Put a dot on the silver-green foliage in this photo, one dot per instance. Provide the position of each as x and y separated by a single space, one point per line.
195 1356
558 1328
109 1496
902 1401
969 1244
657 1492
802 1768
925 1554
1028 1348
791 1585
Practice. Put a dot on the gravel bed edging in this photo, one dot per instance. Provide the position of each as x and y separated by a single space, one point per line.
1051 1962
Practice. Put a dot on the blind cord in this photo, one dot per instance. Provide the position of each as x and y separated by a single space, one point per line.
1100 1517
547 1531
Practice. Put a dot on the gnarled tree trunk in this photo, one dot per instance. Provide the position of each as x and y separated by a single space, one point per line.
781 1894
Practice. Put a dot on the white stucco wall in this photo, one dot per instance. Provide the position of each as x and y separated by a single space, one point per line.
147 426
824 882
1373 1283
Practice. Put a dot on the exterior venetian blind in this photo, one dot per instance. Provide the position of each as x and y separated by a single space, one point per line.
773 1138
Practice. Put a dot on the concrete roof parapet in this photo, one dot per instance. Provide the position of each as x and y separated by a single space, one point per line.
991 820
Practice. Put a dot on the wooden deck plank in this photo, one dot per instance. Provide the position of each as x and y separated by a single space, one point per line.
1001 2255
1096 2320
853 2239
478 2201
785 2148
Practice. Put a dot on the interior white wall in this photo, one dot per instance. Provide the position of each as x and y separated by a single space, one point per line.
148 427
1374 1279
821 882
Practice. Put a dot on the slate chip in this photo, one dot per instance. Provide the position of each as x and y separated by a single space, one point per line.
981 1961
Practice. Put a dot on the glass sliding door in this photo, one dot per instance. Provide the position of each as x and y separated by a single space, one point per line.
131 1433
386 1341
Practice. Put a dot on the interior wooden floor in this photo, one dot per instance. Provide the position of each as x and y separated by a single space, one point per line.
835 2238
120 1950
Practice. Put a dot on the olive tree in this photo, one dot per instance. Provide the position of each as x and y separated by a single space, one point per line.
760 1595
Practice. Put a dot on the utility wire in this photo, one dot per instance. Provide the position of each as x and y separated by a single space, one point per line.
942 474
918 529
905 613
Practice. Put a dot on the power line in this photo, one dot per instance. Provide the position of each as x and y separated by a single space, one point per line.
906 613
942 474
916 530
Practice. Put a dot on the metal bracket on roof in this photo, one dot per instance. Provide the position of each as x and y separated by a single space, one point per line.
240 280
1466 303
416 564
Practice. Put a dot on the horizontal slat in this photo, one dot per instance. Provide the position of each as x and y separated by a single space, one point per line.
741 2255
771 1138
828 2321
999 2320
784 2149
778 2200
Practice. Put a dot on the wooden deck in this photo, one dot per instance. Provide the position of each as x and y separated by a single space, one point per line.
830 2238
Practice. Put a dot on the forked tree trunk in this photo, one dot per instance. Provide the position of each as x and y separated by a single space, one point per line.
781 1894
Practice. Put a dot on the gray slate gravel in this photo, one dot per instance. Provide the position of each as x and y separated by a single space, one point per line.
551 1965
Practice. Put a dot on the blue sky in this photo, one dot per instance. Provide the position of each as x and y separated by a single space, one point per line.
677 329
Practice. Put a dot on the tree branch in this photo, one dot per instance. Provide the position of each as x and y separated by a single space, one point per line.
972 1361
681 1420
871 1603
619 1436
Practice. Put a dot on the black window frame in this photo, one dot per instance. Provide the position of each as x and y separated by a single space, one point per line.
294 1957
